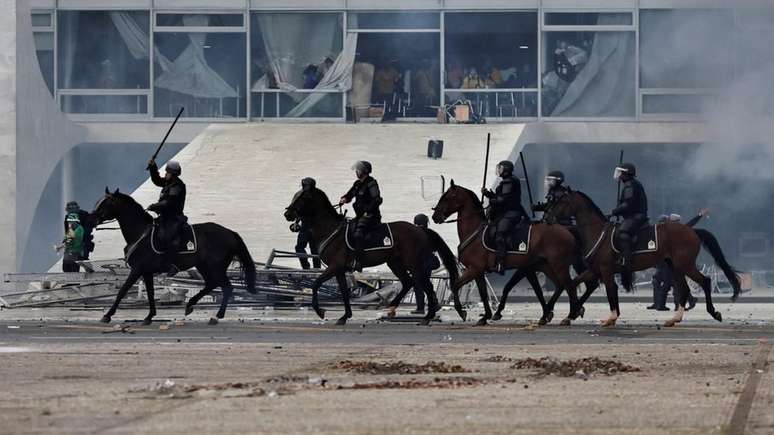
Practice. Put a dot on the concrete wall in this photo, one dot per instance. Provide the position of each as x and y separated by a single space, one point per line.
7 134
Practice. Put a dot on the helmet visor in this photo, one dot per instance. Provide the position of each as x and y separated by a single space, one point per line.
618 172
552 181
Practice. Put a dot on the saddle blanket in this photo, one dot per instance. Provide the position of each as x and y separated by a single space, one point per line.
376 239
188 244
647 240
517 243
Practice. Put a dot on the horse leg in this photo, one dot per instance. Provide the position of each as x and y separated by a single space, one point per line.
326 274
705 283
148 279
226 290
515 279
679 278
209 285
406 283
611 288
432 301
483 293
344 289
467 276
130 280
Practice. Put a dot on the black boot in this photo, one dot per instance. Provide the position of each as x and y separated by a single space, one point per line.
625 260
500 256
170 258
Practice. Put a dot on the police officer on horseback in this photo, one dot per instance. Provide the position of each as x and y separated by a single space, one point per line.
506 210
556 190
365 192
632 207
170 208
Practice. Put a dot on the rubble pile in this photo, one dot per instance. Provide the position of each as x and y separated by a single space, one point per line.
581 368
397 368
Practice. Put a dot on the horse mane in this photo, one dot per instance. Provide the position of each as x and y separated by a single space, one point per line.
133 204
327 206
594 207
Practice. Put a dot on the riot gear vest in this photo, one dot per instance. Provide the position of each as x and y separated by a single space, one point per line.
367 197
633 202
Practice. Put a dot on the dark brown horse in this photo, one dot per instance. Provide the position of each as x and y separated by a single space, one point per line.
678 244
216 248
411 248
551 249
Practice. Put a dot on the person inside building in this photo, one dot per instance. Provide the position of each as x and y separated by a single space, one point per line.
432 263
170 208
83 219
633 208
311 76
365 192
506 210
73 244
385 81
303 228
663 280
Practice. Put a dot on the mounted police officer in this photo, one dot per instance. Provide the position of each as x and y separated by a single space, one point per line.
170 210
633 208
556 190
303 228
365 192
506 209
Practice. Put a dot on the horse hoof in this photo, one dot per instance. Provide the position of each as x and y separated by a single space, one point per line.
549 317
105 319
670 323
464 315
581 312
342 321
481 321
147 321
497 316
542 321
717 316
565 322
391 311
608 322
188 310
213 321
320 312
424 322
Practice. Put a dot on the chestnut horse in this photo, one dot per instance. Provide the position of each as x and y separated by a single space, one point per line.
411 247
551 250
678 244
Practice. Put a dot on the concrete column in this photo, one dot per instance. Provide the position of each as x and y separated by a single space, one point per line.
8 261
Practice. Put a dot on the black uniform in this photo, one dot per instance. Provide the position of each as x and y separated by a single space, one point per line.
552 197
305 238
170 208
506 211
367 201
633 208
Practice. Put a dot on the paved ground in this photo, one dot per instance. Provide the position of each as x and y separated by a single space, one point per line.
280 372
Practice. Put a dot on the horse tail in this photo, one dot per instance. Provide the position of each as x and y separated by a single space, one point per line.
627 280
447 256
248 266
711 244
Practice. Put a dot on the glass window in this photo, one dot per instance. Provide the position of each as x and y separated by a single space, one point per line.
676 52
491 50
103 50
42 19
493 105
690 104
393 20
200 20
44 49
588 74
399 72
203 72
298 51
588 18
105 104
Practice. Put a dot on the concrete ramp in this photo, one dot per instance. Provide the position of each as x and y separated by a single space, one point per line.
243 176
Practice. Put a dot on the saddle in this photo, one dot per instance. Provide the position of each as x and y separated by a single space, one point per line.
378 238
646 240
516 243
187 237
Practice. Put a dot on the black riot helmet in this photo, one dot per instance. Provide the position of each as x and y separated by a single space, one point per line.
72 207
421 220
554 178
308 183
362 167
625 169
505 168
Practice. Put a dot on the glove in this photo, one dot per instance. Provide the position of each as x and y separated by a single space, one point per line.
154 208
343 200
486 192
538 206
295 227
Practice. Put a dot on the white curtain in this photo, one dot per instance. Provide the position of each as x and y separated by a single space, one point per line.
338 77
136 40
189 73
606 85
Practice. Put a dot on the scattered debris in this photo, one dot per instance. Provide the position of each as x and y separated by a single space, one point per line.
580 368
171 390
497 359
400 367
457 382
124 329
163 327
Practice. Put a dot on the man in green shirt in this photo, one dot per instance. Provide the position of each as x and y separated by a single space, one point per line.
73 244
